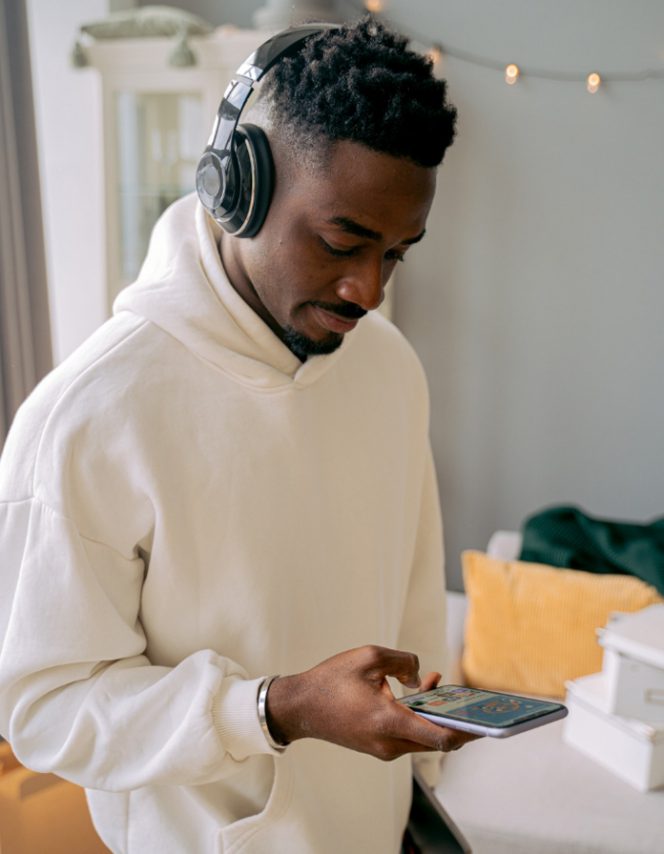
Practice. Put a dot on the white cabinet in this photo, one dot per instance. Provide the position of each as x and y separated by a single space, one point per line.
156 122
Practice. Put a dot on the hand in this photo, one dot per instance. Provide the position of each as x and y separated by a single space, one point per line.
347 700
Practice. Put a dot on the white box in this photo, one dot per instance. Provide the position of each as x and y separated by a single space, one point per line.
634 664
632 749
634 689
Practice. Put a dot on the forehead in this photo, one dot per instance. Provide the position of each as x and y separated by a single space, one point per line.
390 195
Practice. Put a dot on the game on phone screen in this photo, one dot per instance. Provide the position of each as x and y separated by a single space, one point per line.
482 707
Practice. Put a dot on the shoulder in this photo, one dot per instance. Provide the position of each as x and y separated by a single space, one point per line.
381 344
89 373
70 407
381 368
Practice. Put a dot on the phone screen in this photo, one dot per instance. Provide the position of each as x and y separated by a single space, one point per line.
487 708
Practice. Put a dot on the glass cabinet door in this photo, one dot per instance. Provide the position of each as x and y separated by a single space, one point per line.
160 137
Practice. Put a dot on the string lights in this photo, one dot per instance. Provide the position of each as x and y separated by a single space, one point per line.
593 81
512 73
435 53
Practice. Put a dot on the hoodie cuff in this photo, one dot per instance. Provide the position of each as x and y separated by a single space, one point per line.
235 718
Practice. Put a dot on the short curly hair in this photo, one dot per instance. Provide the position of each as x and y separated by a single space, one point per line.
361 83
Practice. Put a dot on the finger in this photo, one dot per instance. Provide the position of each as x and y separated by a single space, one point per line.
403 666
409 675
410 681
430 681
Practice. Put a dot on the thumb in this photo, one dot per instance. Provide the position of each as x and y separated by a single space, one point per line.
430 681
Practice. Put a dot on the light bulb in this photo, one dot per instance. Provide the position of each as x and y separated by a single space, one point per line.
593 82
512 74
374 6
435 53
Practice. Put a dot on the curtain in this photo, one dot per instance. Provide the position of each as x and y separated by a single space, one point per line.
25 338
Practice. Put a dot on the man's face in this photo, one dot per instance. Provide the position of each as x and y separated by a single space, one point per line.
330 242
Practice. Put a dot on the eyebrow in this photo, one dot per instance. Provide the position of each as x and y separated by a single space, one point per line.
349 225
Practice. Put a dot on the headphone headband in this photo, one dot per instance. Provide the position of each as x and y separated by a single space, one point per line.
284 43
253 69
219 177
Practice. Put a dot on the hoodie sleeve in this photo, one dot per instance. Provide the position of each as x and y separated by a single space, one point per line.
77 694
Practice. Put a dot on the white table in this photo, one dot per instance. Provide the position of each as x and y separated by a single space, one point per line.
533 793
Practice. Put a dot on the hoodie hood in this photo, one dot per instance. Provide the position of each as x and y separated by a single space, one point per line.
183 289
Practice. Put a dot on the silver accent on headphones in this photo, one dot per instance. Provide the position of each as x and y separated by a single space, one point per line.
252 201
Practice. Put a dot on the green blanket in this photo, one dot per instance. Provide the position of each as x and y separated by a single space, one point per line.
568 537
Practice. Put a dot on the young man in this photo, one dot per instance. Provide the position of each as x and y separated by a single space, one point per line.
230 481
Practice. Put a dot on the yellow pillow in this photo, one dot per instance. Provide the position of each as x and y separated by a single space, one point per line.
531 627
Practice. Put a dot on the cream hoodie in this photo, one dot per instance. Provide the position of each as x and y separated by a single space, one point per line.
186 508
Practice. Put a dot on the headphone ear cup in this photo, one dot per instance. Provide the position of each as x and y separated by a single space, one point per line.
256 170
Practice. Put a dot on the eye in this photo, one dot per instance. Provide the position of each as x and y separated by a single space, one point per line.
390 255
338 253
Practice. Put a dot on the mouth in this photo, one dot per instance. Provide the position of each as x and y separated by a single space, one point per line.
334 322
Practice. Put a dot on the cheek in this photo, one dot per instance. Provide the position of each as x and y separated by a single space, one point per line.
272 275
287 268
296 272
262 261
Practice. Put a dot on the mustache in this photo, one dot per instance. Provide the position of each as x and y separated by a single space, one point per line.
348 310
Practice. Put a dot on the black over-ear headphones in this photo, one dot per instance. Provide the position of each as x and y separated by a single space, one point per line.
235 175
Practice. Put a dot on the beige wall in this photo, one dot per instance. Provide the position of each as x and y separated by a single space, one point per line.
537 300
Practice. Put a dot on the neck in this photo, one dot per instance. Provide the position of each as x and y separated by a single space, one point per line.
239 279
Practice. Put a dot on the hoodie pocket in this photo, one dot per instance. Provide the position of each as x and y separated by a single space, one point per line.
235 836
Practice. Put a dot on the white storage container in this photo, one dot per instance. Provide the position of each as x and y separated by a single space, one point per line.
634 664
632 749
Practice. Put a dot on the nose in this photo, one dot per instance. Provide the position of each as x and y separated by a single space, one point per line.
364 284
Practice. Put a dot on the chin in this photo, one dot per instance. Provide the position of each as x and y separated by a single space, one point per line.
303 346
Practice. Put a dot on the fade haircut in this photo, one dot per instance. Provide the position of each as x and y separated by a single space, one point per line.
361 83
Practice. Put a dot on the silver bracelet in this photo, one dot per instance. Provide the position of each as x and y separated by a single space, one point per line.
261 700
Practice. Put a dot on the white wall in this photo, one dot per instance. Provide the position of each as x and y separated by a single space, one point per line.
68 135
537 301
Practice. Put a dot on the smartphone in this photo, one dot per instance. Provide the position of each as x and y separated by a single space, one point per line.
483 712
